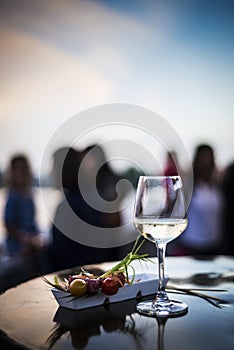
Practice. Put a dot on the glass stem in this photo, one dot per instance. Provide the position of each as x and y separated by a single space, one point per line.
161 328
161 293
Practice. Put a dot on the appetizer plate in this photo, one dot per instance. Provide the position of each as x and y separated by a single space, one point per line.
145 284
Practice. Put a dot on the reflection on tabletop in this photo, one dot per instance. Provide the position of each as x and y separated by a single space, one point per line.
82 325
30 316
119 317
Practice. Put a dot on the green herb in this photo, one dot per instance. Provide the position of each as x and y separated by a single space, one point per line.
124 264
56 283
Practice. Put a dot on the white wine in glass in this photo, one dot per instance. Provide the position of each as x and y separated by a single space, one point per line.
160 216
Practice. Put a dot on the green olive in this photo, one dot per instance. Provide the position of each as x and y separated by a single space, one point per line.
78 287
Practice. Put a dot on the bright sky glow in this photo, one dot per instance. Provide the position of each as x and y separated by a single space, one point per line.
59 57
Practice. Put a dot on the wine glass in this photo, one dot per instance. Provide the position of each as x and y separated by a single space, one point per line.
160 216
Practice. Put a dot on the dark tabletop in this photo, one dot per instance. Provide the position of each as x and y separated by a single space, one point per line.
30 316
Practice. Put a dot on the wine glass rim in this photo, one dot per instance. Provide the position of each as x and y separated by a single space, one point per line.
160 176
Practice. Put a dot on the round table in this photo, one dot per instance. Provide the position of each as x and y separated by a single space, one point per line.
31 318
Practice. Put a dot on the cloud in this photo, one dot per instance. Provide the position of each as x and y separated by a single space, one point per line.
51 47
34 69
74 25
41 86
57 58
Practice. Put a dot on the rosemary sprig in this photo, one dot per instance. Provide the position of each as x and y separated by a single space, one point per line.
56 283
123 265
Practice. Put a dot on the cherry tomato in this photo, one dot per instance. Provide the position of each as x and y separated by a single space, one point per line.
110 286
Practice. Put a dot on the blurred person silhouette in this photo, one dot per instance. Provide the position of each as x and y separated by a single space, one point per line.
97 165
106 181
171 166
58 161
22 234
203 233
65 252
228 210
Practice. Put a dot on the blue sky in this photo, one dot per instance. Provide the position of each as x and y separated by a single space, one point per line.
60 57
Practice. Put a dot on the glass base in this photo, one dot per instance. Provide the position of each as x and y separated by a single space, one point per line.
172 308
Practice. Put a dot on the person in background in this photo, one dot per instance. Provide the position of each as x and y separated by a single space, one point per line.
203 233
58 160
228 210
98 168
22 234
65 252
171 166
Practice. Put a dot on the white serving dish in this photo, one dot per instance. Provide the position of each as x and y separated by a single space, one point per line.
147 284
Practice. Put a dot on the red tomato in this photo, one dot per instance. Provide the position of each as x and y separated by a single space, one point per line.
109 286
